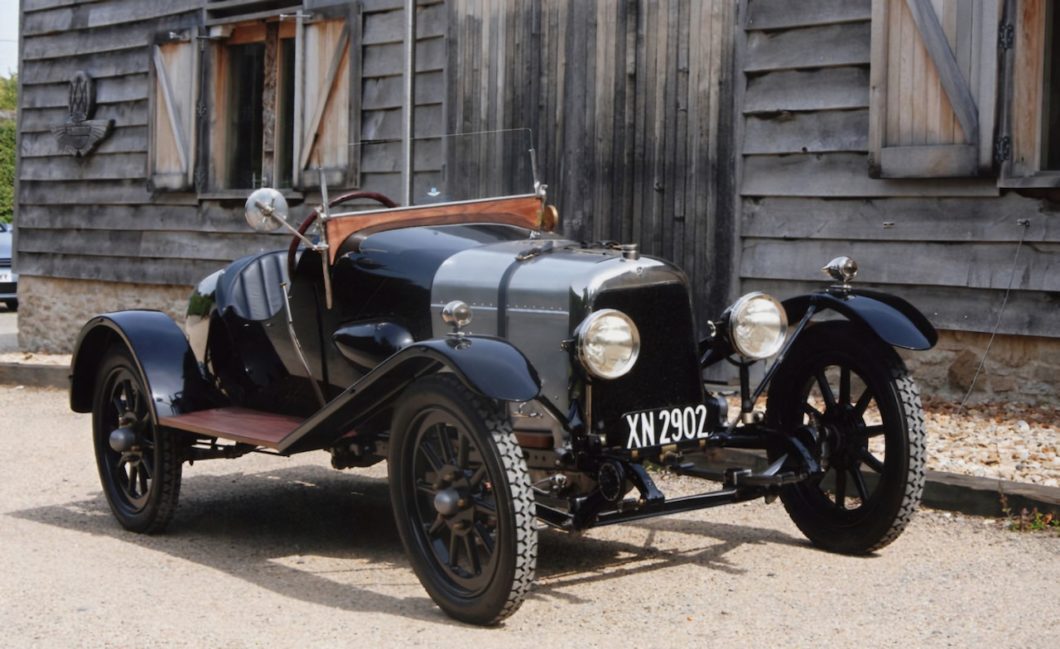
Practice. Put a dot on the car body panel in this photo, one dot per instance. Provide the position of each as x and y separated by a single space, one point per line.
158 348
894 320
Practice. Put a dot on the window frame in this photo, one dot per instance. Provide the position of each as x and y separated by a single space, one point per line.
1024 95
211 163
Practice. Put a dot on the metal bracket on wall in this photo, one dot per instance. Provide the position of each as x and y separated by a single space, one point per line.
1006 36
1002 148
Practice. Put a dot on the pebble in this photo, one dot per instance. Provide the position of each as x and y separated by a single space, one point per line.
987 441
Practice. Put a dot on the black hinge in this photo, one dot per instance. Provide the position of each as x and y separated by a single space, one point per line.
1002 148
1006 36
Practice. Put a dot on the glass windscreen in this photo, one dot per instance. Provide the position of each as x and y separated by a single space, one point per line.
452 167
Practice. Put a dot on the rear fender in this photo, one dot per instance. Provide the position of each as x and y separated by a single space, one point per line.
158 348
491 367
897 322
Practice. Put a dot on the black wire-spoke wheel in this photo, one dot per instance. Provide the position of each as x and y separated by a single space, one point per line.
462 500
857 394
140 470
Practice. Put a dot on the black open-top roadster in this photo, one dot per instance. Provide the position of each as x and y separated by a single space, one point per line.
509 376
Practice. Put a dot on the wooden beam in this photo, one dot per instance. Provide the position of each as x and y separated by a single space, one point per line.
878 73
929 161
950 76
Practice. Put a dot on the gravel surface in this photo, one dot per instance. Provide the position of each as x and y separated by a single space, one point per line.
288 552
997 440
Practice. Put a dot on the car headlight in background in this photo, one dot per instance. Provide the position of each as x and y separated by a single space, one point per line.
608 343
757 325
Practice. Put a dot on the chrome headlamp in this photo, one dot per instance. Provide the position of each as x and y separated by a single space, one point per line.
608 343
757 325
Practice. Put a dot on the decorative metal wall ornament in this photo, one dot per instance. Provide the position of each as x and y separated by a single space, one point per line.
80 134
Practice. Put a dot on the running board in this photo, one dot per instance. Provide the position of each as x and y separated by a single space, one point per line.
241 425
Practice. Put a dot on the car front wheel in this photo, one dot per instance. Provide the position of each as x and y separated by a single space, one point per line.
855 392
462 500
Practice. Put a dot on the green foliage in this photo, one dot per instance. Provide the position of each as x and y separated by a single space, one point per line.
1029 521
9 92
8 102
7 169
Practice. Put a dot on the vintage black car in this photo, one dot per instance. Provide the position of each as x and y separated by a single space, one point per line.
510 377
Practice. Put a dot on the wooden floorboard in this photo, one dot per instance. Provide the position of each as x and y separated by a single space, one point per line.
237 424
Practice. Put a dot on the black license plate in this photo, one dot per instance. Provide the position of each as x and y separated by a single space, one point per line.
664 426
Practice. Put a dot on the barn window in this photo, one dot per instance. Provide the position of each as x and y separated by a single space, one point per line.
256 86
282 106
1033 96
933 88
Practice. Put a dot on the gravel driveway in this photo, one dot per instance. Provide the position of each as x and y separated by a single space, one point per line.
288 552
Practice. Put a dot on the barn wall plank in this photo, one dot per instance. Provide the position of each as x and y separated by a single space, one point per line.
777 14
903 219
960 264
101 14
843 175
811 47
41 120
105 39
171 272
101 166
132 139
824 89
810 132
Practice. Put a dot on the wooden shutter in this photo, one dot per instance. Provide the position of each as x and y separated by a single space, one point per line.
933 88
323 75
174 83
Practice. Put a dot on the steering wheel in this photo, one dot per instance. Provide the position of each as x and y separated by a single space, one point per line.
292 250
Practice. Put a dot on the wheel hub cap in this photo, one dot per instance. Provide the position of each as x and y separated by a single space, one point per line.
122 439
446 502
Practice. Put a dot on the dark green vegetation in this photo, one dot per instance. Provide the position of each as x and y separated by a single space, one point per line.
8 102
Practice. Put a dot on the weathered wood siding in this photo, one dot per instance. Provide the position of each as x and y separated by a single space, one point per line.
629 104
94 218
805 195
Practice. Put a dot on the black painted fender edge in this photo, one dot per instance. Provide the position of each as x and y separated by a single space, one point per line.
490 366
897 322
159 349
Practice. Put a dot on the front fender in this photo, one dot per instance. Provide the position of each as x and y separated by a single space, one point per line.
159 350
894 320
490 366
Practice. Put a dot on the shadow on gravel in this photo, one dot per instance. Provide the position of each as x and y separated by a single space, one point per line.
565 560
240 524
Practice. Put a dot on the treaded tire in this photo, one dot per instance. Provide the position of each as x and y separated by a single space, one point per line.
889 501
142 487
425 470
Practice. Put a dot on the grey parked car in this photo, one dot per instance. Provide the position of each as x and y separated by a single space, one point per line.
8 278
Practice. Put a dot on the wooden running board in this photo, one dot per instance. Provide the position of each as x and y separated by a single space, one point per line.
241 425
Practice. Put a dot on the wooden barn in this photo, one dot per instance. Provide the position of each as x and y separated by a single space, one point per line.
748 140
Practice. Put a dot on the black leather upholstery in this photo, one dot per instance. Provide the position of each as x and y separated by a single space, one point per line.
250 286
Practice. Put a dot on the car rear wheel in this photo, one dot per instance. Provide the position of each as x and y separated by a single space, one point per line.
856 392
462 500
140 469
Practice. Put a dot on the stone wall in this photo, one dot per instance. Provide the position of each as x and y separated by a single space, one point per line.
52 311
1018 368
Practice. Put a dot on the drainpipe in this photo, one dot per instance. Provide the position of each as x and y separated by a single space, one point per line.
410 101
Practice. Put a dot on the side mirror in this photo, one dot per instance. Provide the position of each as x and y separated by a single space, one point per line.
266 210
